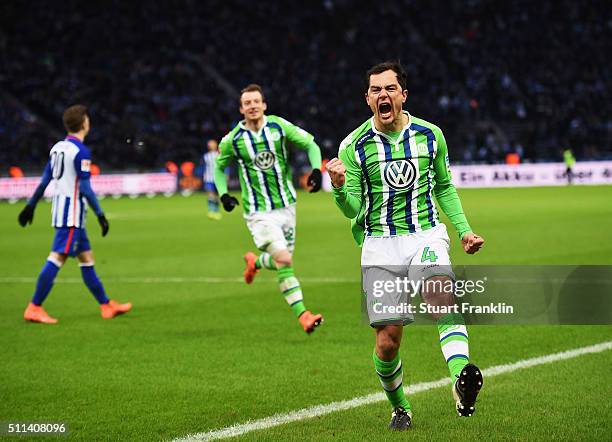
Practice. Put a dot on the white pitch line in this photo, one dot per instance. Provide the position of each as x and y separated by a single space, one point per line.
320 410
174 280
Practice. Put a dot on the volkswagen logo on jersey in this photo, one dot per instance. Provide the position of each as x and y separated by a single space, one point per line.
264 160
400 174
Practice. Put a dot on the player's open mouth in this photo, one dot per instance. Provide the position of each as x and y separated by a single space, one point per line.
384 109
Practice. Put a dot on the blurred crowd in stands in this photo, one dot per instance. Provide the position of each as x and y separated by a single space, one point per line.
160 78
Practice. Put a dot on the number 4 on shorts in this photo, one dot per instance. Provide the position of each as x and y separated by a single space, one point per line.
428 255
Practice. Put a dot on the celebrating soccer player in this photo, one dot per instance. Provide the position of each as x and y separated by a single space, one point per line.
68 169
259 145
387 171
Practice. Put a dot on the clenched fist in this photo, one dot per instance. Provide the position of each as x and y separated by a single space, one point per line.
336 171
471 243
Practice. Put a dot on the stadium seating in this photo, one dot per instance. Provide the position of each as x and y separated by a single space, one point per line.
522 77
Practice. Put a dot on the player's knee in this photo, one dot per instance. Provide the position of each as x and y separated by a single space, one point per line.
86 258
438 287
387 345
57 258
438 292
285 262
283 259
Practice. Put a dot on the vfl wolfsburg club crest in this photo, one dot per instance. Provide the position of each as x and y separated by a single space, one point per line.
264 160
400 174
422 148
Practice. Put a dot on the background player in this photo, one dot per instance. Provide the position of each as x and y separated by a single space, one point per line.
209 160
383 181
68 169
570 161
258 144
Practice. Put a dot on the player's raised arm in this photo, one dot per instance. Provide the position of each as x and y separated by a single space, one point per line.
223 160
305 141
26 216
448 199
345 176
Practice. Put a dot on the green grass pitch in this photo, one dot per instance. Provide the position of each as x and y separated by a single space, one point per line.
202 351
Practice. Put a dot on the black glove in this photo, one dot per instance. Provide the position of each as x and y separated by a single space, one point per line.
314 180
26 215
229 202
103 224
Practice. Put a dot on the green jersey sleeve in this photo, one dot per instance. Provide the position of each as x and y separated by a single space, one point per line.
302 140
444 190
223 160
348 198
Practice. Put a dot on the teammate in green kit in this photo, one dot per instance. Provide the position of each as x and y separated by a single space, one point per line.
570 161
259 145
388 171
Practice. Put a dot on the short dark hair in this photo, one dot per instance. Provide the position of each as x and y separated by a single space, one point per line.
252 88
74 117
391 65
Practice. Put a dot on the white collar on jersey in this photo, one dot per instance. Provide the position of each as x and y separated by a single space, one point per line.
258 133
401 134
376 131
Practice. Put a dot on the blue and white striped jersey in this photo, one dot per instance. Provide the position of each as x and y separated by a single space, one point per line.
69 162
210 159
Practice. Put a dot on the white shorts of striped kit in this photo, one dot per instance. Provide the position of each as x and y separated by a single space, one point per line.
415 256
274 230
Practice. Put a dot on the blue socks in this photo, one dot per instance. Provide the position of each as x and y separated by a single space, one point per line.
213 204
93 283
45 281
49 272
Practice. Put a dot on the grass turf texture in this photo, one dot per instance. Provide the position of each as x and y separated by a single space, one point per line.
195 356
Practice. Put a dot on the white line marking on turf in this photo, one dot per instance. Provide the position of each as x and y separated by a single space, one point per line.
320 410
174 280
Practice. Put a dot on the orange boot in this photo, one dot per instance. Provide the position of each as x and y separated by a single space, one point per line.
112 309
309 321
251 270
35 313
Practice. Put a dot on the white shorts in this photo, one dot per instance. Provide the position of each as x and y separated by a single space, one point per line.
416 256
273 231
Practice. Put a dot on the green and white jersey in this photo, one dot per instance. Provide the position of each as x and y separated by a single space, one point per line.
394 177
265 175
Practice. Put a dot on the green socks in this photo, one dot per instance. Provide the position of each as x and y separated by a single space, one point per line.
265 261
288 283
454 342
391 377
291 290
